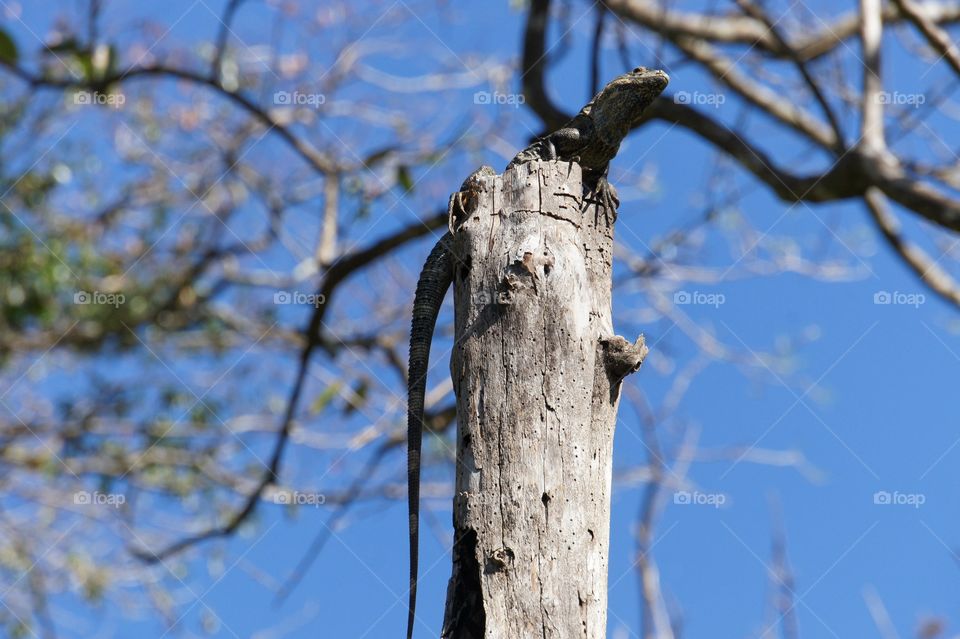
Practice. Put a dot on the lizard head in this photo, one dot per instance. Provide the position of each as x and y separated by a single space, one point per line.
656 79
623 100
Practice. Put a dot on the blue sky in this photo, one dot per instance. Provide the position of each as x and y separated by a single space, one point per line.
870 400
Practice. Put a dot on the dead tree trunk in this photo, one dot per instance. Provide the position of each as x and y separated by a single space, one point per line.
537 373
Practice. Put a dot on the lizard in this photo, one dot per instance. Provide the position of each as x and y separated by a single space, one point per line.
591 138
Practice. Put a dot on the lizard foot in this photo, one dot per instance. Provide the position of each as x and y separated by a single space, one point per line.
604 196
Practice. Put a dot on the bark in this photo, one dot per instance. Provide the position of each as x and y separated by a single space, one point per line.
537 373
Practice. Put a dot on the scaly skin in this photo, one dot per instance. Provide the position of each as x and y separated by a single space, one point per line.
435 279
592 138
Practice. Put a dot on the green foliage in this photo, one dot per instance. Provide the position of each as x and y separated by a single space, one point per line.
31 276
358 398
323 399
8 48
404 178
91 65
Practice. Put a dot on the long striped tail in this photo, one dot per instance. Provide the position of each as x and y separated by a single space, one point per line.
435 279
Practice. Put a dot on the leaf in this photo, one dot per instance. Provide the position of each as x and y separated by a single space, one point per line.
404 178
85 59
8 48
324 398
357 398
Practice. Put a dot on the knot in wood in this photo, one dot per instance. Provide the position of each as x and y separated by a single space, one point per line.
502 558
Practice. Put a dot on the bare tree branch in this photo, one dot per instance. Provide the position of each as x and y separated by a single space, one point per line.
534 66
759 14
871 126
745 30
768 101
929 272
313 157
223 35
935 36
338 272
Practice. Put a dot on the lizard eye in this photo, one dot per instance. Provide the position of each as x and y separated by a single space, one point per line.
639 69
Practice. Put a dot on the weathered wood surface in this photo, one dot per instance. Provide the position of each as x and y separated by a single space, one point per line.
536 371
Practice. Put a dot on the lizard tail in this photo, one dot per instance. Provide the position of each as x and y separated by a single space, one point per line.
435 279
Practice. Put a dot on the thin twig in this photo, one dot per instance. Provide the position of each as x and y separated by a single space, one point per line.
222 37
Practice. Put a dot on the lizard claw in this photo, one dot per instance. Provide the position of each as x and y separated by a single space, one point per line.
603 196
610 201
